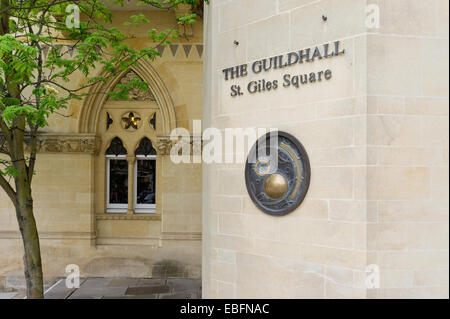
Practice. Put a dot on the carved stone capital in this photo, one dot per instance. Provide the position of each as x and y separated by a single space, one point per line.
194 145
164 145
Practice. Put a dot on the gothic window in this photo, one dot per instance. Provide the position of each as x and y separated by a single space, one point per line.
117 177
145 178
116 148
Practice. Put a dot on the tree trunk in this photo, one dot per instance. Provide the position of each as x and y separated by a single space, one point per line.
32 253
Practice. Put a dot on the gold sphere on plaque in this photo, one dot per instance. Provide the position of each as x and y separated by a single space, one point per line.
276 186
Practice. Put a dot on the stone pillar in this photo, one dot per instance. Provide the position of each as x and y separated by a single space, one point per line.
131 161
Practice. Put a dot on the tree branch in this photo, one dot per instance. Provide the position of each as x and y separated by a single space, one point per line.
8 189
5 131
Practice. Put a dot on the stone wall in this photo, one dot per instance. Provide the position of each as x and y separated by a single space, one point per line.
376 135
407 143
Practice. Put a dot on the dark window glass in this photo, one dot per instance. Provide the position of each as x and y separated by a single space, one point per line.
118 181
146 182
145 148
116 148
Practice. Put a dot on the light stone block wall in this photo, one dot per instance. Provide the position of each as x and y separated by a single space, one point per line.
377 139
407 129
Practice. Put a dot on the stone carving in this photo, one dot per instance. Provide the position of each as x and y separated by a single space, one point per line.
195 145
130 121
93 104
67 144
164 145
136 94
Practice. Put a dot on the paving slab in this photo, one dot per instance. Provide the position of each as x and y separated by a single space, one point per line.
151 282
181 295
179 284
149 290
124 282
60 291
155 296
96 288
120 288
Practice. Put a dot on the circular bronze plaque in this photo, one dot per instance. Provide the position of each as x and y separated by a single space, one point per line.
277 173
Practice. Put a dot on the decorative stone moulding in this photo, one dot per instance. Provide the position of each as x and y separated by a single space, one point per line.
68 143
127 217
164 145
277 173
93 103
130 121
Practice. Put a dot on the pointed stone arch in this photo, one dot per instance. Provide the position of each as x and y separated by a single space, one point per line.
93 103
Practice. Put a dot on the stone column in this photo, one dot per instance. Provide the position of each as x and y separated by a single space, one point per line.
131 160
